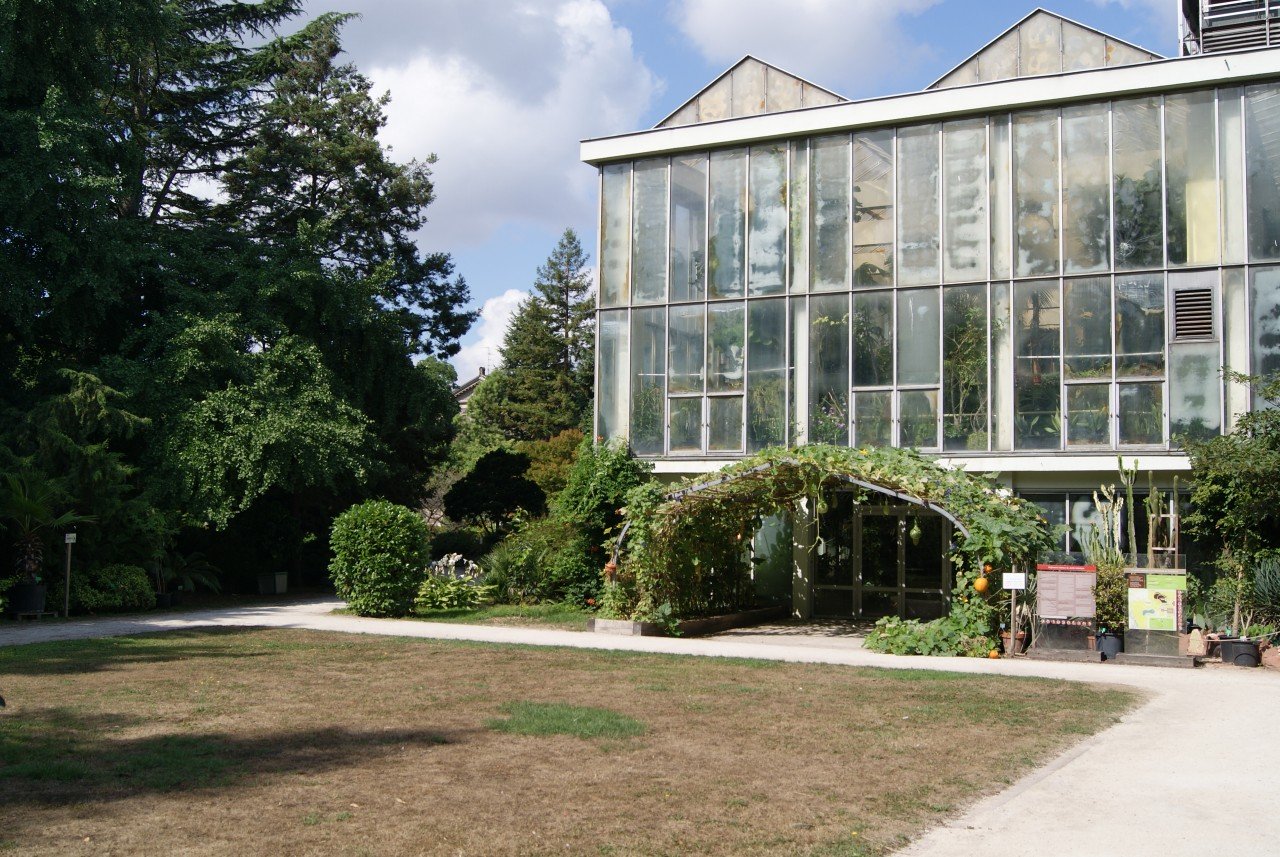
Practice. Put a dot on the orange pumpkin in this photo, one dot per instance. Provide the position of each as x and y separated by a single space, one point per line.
981 584
994 654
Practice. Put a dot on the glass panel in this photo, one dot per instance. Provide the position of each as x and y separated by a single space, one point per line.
964 161
1136 187
1262 145
685 348
833 558
829 369
612 390
799 205
918 205
649 232
880 551
688 227
1195 391
686 425
1264 295
648 379
1231 175
1002 372
615 234
1001 198
1192 177
1086 198
724 424
798 369
873 419
918 336
768 216
1035 146
829 211
766 378
918 418
725 354
924 556
1087 339
1235 326
726 239
1141 414
872 332
1037 319
1140 325
964 368
873 209
1089 415
1041 42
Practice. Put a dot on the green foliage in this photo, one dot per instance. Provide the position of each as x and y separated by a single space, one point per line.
686 547
557 718
444 591
545 559
28 513
1111 595
949 636
379 552
1235 496
110 588
1266 588
189 368
551 460
186 573
494 490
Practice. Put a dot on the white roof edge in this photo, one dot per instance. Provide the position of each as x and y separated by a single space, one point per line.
727 71
1013 94
1027 17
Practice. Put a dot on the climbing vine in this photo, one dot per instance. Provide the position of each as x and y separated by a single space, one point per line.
685 546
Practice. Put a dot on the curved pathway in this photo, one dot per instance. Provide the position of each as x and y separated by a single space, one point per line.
1189 772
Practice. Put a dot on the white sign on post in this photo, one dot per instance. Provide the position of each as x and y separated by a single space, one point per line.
71 538
1015 580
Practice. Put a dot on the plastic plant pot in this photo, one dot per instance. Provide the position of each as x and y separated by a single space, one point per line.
1241 653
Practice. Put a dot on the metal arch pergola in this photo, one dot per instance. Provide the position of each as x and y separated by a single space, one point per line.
761 468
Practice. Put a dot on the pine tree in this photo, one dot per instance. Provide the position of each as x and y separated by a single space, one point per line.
545 379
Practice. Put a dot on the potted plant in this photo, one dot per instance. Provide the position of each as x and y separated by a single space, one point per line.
1101 545
176 574
27 510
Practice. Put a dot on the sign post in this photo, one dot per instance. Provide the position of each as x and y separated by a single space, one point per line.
70 539
1013 581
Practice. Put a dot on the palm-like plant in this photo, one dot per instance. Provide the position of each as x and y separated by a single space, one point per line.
28 511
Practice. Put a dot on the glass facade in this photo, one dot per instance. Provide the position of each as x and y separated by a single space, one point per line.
995 284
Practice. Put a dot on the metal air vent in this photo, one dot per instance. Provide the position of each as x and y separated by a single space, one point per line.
1193 314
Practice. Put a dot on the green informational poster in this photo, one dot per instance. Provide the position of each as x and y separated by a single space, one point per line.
1153 609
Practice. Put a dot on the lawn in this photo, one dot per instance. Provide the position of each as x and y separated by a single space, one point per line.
295 742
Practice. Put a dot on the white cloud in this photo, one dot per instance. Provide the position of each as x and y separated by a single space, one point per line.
485 347
848 46
505 107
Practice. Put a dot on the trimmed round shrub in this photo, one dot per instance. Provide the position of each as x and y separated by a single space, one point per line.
379 552
109 589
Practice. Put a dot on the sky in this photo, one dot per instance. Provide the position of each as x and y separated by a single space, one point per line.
502 91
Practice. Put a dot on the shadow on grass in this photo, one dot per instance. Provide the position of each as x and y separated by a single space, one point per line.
68 657
57 756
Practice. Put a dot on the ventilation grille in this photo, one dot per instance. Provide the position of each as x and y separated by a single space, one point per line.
1193 314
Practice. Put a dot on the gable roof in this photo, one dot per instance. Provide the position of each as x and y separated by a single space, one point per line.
749 87
1043 42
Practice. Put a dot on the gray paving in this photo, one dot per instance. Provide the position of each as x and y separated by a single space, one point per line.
1188 772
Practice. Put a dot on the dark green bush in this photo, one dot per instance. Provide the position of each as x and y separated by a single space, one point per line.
106 589
379 553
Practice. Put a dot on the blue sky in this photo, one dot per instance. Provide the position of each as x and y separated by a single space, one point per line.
502 91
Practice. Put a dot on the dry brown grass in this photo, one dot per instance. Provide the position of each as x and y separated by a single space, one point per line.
293 742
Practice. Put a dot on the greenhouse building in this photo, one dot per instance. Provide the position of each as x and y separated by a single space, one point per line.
1039 263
